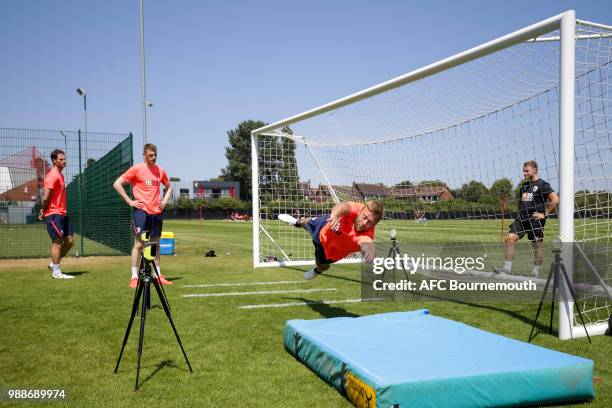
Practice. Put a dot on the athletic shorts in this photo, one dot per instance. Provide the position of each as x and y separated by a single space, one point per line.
533 228
145 222
58 226
314 226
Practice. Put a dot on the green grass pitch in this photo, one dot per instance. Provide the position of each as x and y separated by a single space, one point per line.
67 334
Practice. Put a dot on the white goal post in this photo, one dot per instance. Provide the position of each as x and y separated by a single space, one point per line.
439 143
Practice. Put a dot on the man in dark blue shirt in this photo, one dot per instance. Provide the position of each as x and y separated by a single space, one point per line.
536 201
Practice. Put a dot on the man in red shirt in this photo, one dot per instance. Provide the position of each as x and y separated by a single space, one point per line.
146 179
53 212
349 228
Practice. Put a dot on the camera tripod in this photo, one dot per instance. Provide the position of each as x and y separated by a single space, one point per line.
557 269
393 253
143 291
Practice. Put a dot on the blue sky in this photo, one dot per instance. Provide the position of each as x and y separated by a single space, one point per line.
211 64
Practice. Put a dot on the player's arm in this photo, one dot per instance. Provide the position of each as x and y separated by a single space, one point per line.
338 211
368 251
553 200
118 185
167 195
45 203
551 205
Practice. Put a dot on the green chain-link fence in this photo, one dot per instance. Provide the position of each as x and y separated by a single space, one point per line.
101 220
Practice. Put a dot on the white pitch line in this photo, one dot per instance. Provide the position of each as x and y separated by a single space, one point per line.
317 302
263 292
210 285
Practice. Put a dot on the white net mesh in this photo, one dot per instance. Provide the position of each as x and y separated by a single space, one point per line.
445 155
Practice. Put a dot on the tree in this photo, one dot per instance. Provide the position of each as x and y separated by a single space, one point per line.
473 191
288 179
238 155
432 183
500 188
405 183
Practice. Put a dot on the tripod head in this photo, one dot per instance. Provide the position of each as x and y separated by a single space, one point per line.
149 252
393 235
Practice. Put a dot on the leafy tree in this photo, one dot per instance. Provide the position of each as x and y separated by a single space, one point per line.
501 187
184 202
238 155
405 183
432 183
474 191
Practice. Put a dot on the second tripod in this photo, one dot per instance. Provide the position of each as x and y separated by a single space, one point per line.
148 273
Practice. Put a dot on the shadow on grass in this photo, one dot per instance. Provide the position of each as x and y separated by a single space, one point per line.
541 326
160 366
76 273
324 309
325 274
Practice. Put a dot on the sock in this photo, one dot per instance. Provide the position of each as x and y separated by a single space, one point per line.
56 269
536 270
508 266
134 272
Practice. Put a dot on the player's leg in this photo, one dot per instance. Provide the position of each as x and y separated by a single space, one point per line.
67 245
536 236
156 223
140 221
515 232
316 271
56 249
136 251
68 238
322 263
55 229
294 222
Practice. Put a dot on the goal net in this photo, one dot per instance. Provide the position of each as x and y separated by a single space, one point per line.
443 147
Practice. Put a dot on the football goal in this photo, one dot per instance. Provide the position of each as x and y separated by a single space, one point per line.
443 147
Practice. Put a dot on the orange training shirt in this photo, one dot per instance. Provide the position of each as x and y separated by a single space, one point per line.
146 181
339 245
54 181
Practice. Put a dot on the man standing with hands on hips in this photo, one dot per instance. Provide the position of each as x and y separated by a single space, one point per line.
53 212
146 179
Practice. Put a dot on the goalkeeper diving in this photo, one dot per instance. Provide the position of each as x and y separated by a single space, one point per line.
349 228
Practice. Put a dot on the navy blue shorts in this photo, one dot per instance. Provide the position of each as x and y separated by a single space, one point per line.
145 222
533 228
58 226
314 226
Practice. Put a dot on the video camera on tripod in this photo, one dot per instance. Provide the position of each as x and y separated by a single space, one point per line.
147 273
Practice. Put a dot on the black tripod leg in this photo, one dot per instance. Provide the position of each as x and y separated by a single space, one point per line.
159 281
129 327
535 322
567 281
166 307
552 303
143 316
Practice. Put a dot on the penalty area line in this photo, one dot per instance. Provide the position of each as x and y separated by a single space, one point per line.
314 302
211 285
261 292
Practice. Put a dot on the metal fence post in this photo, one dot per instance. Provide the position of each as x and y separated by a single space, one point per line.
81 208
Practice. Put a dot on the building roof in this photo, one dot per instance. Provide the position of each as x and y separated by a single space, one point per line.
369 190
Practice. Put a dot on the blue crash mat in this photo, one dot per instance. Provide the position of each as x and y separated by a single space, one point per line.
416 359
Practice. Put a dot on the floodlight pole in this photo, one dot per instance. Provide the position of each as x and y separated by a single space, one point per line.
142 75
83 93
